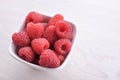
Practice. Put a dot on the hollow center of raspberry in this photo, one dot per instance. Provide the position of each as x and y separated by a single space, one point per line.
62 29
63 47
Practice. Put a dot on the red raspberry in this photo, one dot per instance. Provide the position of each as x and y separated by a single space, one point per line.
61 58
50 35
36 17
55 19
21 39
62 46
27 54
39 45
35 30
63 29
49 59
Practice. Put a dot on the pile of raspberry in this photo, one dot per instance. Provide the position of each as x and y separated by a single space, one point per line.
44 41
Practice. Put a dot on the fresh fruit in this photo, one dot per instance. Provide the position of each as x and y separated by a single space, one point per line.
61 58
49 59
21 39
62 46
35 30
50 35
39 45
36 17
27 54
63 29
55 19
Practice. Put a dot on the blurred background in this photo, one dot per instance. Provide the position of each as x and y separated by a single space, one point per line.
96 52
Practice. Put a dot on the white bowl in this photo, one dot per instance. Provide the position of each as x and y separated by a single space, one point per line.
13 53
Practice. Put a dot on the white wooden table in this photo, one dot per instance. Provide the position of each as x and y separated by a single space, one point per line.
96 54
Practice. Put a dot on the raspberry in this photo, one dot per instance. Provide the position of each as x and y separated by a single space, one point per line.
35 30
21 39
39 45
50 35
60 57
55 19
26 53
36 17
63 29
62 46
49 59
